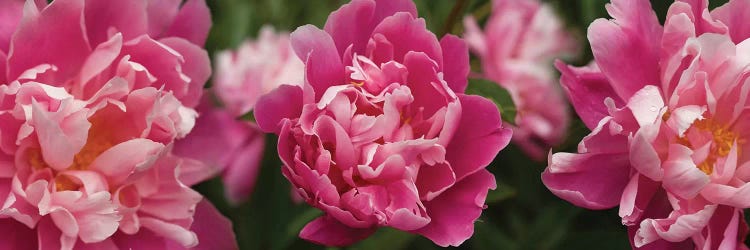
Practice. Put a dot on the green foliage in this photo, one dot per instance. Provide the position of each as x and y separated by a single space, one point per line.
500 96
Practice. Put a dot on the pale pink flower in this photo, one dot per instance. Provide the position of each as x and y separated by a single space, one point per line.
381 133
519 43
254 69
226 145
223 142
93 95
668 110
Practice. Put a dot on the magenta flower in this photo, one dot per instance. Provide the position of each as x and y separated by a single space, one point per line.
381 133
520 41
668 110
93 95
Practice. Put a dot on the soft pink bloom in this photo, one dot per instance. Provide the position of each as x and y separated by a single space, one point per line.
254 69
93 95
381 133
669 113
228 146
519 43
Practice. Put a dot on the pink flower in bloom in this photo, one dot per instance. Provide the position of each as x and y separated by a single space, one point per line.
93 95
222 141
520 41
254 69
227 146
668 110
381 133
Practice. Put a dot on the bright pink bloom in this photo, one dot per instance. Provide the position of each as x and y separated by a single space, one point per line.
520 41
669 113
227 146
254 69
381 134
93 95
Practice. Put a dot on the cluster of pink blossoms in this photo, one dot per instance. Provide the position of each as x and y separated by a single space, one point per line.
241 76
669 113
93 95
381 134
520 41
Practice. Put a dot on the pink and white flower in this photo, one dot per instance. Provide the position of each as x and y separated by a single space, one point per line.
517 47
93 95
668 110
381 133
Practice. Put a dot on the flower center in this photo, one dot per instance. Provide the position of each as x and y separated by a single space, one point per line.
97 142
707 130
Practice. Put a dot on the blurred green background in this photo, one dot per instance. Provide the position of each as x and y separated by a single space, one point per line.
521 213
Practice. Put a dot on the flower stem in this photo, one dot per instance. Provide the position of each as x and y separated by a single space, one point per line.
454 16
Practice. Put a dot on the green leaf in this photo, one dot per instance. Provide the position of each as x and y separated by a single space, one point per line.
500 96
386 238
486 236
501 193
249 116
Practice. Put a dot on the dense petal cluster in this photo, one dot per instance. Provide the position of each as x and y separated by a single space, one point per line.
93 94
517 47
381 133
669 113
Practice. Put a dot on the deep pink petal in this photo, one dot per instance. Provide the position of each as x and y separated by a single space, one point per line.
127 17
627 49
327 231
272 108
323 66
11 12
192 22
16 235
479 136
353 23
33 45
569 176
454 212
587 88
734 15
197 67
214 230
456 62
409 35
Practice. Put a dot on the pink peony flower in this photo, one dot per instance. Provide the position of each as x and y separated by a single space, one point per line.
668 110
243 75
519 43
381 133
228 146
92 97
254 69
